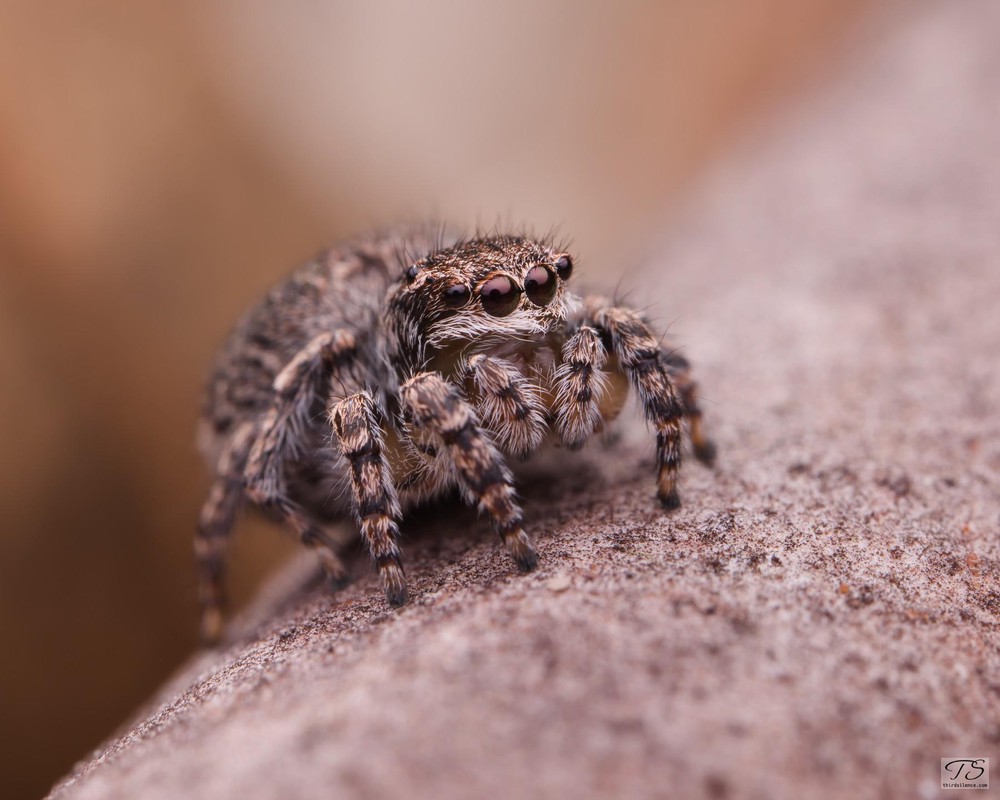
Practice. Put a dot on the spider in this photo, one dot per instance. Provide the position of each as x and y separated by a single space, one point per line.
393 368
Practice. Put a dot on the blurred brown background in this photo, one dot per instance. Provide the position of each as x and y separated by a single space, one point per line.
162 164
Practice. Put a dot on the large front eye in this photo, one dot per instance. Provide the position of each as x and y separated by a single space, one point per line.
500 295
540 285
456 295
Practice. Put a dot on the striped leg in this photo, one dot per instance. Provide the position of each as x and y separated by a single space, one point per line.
680 373
581 386
641 358
297 389
508 405
214 527
434 405
356 428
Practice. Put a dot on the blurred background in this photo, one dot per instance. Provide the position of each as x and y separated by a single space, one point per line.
161 164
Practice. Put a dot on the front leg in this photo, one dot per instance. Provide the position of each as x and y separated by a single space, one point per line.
644 363
434 405
356 423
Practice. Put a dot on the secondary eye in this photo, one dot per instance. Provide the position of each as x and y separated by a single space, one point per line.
500 295
564 267
540 285
456 295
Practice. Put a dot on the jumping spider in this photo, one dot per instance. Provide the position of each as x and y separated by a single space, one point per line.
405 364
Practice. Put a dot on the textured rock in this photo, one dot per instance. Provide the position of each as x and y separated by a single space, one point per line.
818 620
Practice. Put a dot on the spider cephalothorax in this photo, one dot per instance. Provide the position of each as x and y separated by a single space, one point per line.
402 376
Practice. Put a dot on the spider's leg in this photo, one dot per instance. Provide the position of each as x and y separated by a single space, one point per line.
357 430
297 389
680 373
509 405
214 527
643 361
581 386
434 405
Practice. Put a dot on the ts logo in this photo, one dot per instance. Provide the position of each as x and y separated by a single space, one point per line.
965 769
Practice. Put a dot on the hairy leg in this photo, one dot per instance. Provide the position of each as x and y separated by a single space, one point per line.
434 405
357 430
680 373
297 388
581 386
214 527
509 406
643 361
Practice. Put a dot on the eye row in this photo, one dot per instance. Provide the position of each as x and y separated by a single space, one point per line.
500 295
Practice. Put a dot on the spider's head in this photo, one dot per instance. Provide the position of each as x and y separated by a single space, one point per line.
482 294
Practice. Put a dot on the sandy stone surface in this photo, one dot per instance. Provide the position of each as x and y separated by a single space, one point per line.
820 619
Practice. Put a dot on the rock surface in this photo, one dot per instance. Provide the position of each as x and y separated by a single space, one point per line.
820 618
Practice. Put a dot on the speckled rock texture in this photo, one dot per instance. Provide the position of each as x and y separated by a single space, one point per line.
820 619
